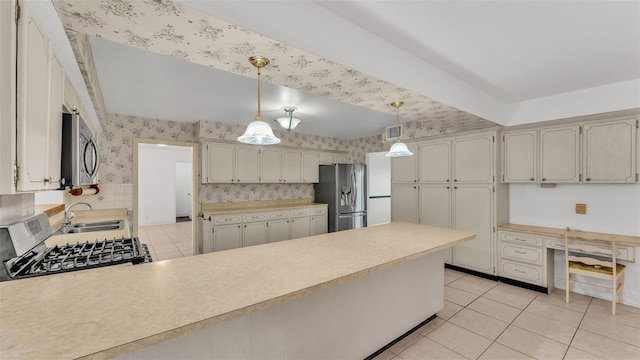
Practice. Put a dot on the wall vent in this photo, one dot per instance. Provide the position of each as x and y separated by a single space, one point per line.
391 133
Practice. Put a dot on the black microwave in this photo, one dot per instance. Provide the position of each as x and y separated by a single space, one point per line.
80 154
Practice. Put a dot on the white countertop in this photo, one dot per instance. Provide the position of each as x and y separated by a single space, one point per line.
104 312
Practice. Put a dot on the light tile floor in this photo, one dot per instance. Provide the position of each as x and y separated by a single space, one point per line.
167 241
485 319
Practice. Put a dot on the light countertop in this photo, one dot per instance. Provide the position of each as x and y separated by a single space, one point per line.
573 234
90 216
108 311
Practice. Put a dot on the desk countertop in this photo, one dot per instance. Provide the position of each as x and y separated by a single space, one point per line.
104 312
573 234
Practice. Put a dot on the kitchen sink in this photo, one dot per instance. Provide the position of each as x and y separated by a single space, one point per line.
96 226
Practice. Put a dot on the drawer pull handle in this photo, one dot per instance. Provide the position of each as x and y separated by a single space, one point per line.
520 271
519 252
519 239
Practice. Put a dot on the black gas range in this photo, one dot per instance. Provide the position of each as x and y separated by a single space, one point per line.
22 259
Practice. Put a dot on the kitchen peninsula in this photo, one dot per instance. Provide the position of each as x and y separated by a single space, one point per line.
337 295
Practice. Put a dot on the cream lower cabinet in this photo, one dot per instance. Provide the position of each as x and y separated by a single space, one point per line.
319 221
435 208
230 231
279 230
404 202
524 257
254 229
473 211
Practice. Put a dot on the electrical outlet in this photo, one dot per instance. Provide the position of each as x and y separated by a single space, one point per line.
581 209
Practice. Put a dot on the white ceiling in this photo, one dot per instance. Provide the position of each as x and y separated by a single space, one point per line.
486 58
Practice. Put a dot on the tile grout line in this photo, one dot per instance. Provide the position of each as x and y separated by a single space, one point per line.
578 328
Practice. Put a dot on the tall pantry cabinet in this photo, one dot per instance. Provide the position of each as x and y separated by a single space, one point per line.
454 186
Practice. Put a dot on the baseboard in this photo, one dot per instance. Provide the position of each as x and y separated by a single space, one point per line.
384 348
628 297
517 283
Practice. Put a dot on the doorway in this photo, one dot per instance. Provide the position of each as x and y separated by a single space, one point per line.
165 194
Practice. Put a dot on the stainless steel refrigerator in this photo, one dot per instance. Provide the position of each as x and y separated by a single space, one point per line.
344 188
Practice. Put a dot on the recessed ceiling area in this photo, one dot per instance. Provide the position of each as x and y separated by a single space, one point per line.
142 83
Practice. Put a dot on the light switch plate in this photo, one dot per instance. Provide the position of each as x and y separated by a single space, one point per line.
581 209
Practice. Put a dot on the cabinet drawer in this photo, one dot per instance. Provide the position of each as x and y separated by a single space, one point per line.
319 211
278 215
627 253
227 219
521 253
520 238
521 272
300 212
254 217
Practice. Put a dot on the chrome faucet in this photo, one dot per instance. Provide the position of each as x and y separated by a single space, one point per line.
67 218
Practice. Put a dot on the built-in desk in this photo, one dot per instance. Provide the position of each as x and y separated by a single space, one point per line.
525 252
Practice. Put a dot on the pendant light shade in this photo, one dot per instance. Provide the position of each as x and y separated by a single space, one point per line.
398 149
259 132
288 122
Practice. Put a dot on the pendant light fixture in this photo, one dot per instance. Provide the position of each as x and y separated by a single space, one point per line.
288 122
398 149
259 132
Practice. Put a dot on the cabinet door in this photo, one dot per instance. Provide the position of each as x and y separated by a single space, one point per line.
219 162
435 162
279 230
435 205
608 150
207 236
341 159
271 165
247 164
560 154
520 157
69 97
56 76
291 166
472 211
404 169
327 158
473 159
227 237
300 227
33 109
404 203
310 163
254 233
319 224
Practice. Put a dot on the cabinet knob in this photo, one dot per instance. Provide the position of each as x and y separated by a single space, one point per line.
448 180
532 179
448 187
245 226
543 179
588 179
455 180
47 181
415 180
455 187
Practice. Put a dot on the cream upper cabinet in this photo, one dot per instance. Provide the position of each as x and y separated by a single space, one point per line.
560 154
70 98
247 164
473 159
405 169
327 158
435 162
39 110
404 202
310 170
218 163
291 166
520 157
271 165
609 151
341 159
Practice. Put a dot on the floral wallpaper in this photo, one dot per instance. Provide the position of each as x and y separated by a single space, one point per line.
170 28
116 156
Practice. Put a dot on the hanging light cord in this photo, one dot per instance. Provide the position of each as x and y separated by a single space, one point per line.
258 117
